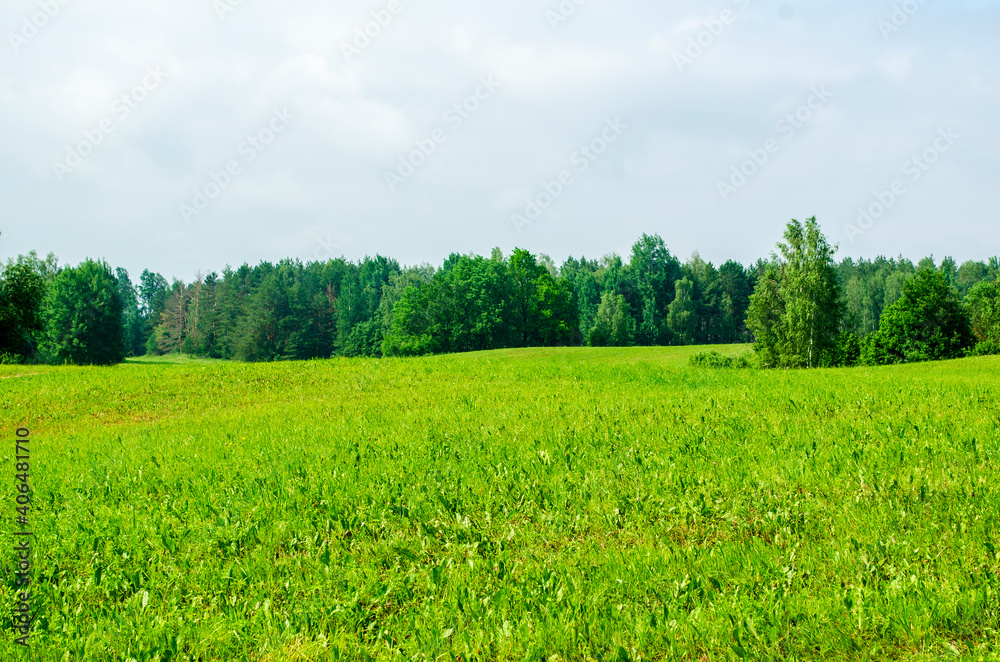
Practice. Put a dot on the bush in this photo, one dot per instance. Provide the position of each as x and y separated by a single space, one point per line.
714 359
10 359
928 323
985 348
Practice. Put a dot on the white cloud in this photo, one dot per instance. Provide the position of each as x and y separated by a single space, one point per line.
354 119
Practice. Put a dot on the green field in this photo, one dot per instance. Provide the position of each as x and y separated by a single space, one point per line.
560 504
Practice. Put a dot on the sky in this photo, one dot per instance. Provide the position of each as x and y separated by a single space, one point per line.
185 135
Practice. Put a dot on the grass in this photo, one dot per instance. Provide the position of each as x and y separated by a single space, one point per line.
558 504
172 359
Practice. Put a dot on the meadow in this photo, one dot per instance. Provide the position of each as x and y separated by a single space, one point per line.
552 504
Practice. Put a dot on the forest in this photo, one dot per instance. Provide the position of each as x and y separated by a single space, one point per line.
93 314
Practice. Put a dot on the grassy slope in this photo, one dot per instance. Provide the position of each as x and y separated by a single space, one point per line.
603 504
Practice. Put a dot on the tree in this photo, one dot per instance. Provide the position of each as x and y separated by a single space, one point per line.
950 271
410 333
359 326
83 310
22 292
153 291
653 270
582 277
170 334
848 352
927 323
983 307
681 316
765 319
970 274
614 326
393 291
797 323
736 288
134 326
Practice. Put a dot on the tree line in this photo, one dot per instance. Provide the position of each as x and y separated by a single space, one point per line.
93 314
807 311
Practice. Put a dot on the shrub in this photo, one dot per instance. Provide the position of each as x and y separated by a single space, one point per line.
985 348
928 323
10 359
714 359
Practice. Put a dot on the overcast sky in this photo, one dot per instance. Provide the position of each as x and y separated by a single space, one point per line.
184 135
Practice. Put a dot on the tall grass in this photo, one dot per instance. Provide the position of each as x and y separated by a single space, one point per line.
570 504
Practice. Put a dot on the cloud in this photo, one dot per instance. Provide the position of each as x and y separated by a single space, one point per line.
226 75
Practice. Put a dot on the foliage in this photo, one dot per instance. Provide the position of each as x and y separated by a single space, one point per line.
682 315
294 311
715 359
83 313
927 323
132 321
613 326
983 306
22 292
475 304
985 348
871 286
519 505
795 312
848 351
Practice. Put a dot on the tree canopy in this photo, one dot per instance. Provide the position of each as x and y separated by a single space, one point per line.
927 323
84 320
799 307
795 313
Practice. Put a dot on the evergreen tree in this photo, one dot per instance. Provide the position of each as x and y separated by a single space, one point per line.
134 329
736 287
83 311
359 327
153 291
652 270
